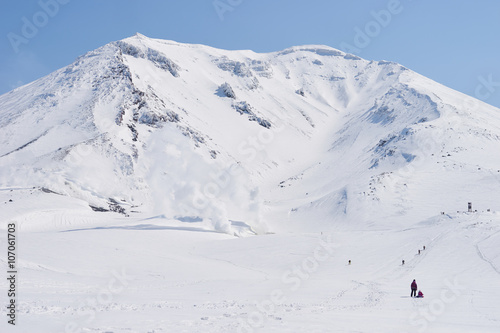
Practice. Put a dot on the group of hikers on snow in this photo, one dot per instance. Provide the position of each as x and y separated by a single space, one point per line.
414 290
413 286
403 262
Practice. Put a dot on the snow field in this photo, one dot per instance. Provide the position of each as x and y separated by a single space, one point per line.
157 275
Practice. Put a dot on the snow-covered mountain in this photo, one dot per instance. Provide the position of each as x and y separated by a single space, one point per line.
303 139
127 177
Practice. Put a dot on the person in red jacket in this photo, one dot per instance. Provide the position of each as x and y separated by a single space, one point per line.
413 288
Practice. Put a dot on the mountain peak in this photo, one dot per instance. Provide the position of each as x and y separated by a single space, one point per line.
140 36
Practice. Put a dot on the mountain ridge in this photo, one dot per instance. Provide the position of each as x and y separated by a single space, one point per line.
147 127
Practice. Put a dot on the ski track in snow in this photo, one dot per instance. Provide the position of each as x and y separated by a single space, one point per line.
481 254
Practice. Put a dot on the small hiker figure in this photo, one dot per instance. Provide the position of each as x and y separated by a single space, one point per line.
424 247
403 262
413 288
349 261
418 251
420 294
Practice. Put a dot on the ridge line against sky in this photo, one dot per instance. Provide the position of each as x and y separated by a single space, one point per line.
452 42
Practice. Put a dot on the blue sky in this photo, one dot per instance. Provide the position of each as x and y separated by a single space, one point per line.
454 42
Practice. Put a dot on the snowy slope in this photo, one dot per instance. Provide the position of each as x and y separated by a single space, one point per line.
154 127
129 173
148 276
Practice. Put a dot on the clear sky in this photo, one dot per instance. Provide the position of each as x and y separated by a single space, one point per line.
454 42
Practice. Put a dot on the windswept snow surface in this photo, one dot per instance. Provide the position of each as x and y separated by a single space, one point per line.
165 187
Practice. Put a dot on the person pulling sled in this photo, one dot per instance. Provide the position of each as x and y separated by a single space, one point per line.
413 288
